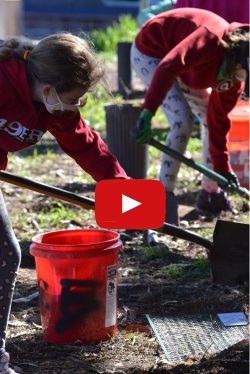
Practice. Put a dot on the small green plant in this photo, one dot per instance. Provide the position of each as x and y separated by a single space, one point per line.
134 337
57 215
106 40
175 271
201 264
206 232
158 251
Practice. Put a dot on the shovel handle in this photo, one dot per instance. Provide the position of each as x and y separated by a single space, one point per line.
222 181
180 233
55 192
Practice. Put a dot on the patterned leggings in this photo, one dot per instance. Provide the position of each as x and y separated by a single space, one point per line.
10 258
179 107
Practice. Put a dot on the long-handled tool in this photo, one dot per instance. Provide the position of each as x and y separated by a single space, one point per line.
222 181
229 251
44 189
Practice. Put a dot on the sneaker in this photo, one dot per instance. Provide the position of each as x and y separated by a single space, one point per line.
4 365
213 203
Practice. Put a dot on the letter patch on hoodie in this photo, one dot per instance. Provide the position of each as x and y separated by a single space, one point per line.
20 132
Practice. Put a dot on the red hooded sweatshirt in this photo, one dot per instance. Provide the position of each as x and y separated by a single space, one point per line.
188 42
22 124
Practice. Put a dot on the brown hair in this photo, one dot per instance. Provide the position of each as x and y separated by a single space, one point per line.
236 44
63 60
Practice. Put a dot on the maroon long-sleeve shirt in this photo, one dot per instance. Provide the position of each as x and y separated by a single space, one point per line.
22 124
188 42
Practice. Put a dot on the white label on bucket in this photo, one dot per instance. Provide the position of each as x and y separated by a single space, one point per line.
110 318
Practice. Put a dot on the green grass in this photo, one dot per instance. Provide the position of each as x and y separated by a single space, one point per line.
106 40
171 271
56 216
198 267
206 232
174 271
201 264
94 110
159 251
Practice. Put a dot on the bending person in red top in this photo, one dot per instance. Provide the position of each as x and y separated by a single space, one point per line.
192 62
41 90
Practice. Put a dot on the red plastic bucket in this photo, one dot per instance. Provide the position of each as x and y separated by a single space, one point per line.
77 277
239 141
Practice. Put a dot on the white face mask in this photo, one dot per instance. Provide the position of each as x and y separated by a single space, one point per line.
60 106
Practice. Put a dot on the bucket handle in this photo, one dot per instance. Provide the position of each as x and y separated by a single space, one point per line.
114 246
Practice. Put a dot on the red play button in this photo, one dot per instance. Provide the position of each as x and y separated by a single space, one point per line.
130 204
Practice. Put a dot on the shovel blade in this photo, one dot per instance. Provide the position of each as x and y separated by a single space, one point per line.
229 258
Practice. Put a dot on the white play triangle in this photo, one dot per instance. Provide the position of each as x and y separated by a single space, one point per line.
128 203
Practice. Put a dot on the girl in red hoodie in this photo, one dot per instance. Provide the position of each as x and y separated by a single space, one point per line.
193 62
41 90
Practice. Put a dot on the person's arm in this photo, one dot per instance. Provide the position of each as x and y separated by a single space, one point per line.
3 159
86 147
218 122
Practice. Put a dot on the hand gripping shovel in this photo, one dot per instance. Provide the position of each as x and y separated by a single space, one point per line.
229 251
222 181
